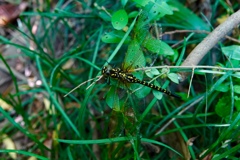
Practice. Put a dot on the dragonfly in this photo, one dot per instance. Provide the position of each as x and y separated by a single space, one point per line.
123 76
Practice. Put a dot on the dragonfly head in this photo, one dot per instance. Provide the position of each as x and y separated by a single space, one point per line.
106 71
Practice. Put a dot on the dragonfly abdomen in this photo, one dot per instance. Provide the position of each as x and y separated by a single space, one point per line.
133 79
155 87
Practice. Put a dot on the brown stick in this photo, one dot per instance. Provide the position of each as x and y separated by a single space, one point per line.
209 42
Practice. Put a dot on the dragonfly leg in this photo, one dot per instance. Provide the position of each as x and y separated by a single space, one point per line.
108 80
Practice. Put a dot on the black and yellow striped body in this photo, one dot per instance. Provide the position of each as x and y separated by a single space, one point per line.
119 74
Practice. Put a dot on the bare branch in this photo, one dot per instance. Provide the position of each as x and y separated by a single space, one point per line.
210 41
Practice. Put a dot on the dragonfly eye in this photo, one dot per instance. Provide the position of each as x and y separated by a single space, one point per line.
106 71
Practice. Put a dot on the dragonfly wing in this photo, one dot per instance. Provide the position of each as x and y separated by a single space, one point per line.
112 98
134 57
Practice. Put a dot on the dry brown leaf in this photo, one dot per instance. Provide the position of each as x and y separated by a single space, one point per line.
9 144
151 148
191 140
176 141
5 105
72 105
32 158
208 157
68 64
48 107
9 12
55 135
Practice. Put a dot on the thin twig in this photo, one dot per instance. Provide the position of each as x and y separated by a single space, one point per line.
190 83
80 85
99 77
188 67
180 113
199 31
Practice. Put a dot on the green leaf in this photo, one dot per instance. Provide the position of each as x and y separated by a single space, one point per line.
155 9
132 14
173 77
112 99
175 56
222 88
104 16
124 2
156 93
140 30
141 2
236 89
233 118
236 74
152 72
232 63
114 37
158 9
153 45
165 71
223 108
185 18
237 103
119 19
166 49
143 92
145 39
134 56
232 52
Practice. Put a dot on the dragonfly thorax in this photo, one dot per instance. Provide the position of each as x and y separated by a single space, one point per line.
118 73
108 71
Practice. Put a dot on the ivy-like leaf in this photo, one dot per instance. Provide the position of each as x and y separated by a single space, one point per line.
104 16
114 37
166 49
222 108
236 74
134 56
141 2
155 9
236 89
233 52
152 72
185 18
153 45
142 92
233 118
237 103
173 77
119 19
222 88
124 2
158 9
112 99
156 93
